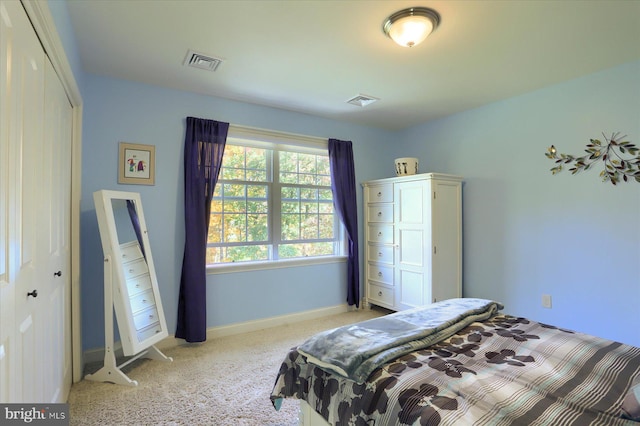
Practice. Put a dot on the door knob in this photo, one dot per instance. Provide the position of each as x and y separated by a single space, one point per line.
57 274
33 293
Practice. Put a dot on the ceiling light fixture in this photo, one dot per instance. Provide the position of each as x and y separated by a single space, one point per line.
410 27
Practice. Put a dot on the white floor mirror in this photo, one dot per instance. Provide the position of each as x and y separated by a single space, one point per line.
130 285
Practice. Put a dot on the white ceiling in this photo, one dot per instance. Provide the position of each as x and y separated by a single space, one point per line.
312 56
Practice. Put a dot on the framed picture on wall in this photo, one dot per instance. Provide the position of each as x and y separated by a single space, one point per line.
136 164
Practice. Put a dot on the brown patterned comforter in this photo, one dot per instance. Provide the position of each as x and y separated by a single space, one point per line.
502 371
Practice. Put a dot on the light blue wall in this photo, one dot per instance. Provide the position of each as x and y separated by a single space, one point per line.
121 111
528 233
60 15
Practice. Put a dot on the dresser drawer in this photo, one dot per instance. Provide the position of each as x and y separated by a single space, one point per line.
146 318
380 193
138 284
130 251
380 294
380 254
380 213
148 332
383 274
135 268
380 234
142 301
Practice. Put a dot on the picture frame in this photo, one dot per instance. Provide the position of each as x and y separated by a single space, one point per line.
136 164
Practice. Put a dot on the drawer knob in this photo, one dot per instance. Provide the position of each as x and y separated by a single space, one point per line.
379 194
380 234
380 293
379 214
379 254
379 274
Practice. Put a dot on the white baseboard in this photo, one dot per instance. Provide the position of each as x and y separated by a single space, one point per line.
261 324
95 355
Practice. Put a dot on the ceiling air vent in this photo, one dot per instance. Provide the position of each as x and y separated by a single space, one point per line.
198 60
362 100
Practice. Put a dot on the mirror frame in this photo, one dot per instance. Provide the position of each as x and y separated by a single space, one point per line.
111 248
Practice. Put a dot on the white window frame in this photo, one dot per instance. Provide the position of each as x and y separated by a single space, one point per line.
268 139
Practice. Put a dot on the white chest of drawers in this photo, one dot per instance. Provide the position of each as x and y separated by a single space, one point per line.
413 235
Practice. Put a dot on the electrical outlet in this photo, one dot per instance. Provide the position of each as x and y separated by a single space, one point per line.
546 301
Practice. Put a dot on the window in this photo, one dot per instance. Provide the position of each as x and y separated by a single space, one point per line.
272 202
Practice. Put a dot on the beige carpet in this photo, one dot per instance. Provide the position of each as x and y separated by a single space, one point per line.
226 381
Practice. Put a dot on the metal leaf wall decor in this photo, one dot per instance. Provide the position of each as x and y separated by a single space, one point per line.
620 159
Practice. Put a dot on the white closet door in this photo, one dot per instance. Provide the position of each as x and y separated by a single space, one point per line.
26 89
7 289
35 207
55 204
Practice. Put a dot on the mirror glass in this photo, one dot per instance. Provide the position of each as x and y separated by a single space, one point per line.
137 285
127 223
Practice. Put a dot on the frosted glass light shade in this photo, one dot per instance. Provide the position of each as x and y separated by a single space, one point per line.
410 31
410 27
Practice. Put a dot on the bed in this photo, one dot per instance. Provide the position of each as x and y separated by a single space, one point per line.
460 362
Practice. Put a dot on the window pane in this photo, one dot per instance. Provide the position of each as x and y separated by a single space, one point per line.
257 175
231 206
290 207
244 163
325 194
288 162
324 180
308 193
307 163
290 224
309 229
234 228
291 193
240 221
214 255
288 177
304 169
257 207
307 179
325 226
237 254
232 163
257 227
215 228
309 208
257 191
325 208
288 251
323 167
233 190
247 253
256 159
